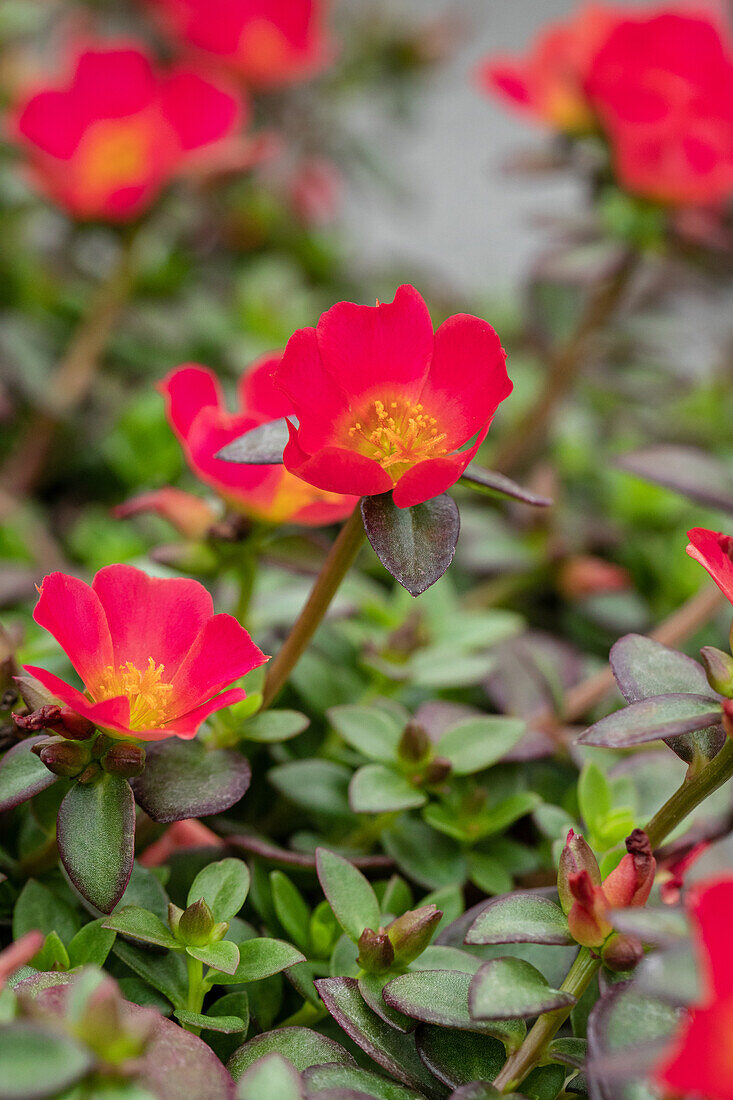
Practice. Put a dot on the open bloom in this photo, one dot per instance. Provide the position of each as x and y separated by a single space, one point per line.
547 84
197 413
151 653
269 42
699 1060
662 87
384 404
104 143
714 551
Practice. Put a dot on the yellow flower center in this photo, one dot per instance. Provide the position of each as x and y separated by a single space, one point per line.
398 436
148 693
114 155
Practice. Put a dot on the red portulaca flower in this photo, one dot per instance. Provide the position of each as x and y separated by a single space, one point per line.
548 83
714 551
151 653
662 87
198 415
106 142
699 1062
385 404
269 42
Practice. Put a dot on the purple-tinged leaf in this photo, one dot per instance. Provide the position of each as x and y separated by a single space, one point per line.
95 830
510 988
415 545
300 1045
499 485
686 470
520 918
184 779
262 446
371 987
391 1049
627 1032
364 1083
272 1076
22 774
653 719
442 997
569 1051
459 1057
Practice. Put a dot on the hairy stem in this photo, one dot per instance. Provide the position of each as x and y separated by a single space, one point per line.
336 566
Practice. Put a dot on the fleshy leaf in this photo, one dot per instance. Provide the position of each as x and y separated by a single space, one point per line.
459 1057
262 446
260 958
376 789
91 945
299 1045
140 924
223 955
369 730
228 1025
349 893
371 987
479 742
274 725
223 886
510 988
442 997
499 485
38 1062
415 545
96 836
22 774
272 1076
361 1082
653 719
183 779
627 1032
520 918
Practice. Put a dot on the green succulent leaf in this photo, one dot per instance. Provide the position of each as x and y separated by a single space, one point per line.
140 924
520 918
223 886
349 893
510 988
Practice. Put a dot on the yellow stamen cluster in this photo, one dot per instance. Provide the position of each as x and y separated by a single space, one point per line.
398 435
148 693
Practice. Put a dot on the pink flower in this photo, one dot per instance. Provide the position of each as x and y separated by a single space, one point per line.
384 403
151 653
269 42
191 516
714 551
179 837
105 142
197 413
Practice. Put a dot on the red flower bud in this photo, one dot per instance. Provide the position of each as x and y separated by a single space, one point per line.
587 919
576 857
411 933
62 720
631 882
124 759
621 952
64 758
375 951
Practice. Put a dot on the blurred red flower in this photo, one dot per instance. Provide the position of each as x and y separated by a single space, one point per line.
383 403
191 516
197 413
151 653
179 837
662 87
548 82
698 1062
106 142
714 552
269 42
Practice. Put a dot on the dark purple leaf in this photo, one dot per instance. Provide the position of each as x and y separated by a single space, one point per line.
498 485
184 779
651 719
687 470
415 545
22 774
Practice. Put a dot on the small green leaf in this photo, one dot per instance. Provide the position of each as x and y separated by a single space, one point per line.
91 945
317 785
260 958
223 955
416 545
520 918
228 1025
272 1076
165 973
292 911
223 886
38 1062
377 789
477 743
510 988
140 924
22 774
301 1046
275 725
40 909
594 796
96 838
488 874
369 730
52 955
349 893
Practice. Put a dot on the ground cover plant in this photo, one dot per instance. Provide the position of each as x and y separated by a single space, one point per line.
365 728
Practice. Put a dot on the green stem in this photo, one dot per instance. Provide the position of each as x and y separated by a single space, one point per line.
336 566
196 989
693 791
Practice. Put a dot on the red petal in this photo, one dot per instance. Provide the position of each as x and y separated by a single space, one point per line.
188 725
433 476
112 83
51 121
336 469
113 714
711 905
258 394
71 611
199 111
221 653
188 390
381 349
700 1062
713 550
317 399
152 617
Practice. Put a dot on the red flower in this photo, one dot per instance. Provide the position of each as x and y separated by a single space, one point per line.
191 516
197 413
662 86
548 83
699 1061
151 653
714 551
383 403
269 42
105 143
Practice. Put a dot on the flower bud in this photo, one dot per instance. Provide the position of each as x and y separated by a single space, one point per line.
411 933
414 744
437 770
90 773
64 758
196 924
125 759
719 669
587 918
576 856
61 720
631 882
621 952
376 953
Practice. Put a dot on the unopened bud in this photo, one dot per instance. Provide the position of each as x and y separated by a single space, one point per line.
587 918
414 744
718 668
437 770
125 759
64 758
621 952
174 918
61 720
90 773
411 933
631 882
196 924
576 856
376 953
